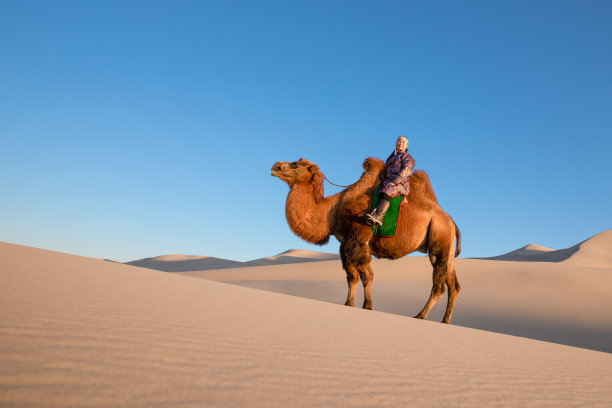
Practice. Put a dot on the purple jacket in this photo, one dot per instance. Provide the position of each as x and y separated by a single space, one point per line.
398 169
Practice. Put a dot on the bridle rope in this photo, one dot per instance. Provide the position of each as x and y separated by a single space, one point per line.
337 185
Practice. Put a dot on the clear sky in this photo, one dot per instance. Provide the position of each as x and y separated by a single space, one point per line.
139 128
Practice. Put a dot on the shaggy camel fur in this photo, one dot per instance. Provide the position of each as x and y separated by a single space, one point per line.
423 226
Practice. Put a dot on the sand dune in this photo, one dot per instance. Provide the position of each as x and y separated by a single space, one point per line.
528 253
555 302
562 296
183 263
566 301
81 332
595 251
180 263
293 256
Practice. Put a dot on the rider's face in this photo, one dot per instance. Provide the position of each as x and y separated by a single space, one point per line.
401 144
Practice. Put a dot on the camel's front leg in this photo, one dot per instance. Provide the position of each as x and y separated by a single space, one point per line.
352 277
356 259
367 276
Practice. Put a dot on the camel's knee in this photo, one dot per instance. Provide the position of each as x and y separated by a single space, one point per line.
453 285
366 278
454 290
352 279
437 288
366 273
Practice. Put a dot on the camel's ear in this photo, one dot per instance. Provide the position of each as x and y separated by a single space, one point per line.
308 163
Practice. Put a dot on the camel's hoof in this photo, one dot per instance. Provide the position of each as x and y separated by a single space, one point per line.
367 305
419 317
348 303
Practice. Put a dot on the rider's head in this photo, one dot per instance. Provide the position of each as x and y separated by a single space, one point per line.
401 144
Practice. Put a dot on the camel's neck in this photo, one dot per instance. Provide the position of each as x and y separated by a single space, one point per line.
309 214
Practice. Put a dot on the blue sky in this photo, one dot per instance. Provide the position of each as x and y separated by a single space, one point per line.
131 129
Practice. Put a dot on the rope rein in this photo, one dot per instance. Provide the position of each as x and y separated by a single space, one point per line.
337 185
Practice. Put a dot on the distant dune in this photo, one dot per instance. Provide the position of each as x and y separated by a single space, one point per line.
293 256
184 263
76 331
595 251
181 263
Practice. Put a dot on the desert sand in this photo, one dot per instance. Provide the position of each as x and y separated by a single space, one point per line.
562 296
77 331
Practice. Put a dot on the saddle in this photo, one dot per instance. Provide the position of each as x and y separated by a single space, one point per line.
389 226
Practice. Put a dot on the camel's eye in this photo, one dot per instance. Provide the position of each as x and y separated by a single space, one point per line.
294 165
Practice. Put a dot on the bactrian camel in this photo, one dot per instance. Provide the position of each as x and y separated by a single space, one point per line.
423 226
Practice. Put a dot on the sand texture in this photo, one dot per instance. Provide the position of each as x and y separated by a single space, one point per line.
83 332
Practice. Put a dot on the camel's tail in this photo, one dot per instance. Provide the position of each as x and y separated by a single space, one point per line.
458 236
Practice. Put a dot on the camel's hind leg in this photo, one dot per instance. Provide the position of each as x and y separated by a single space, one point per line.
441 254
444 272
352 276
453 291
437 289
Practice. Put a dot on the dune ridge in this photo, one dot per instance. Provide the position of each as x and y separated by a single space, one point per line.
185 263
595 251
76 331
181 263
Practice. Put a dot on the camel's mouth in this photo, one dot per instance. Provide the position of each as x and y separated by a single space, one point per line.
276 170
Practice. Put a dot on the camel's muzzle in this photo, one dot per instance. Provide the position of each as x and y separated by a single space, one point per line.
276 170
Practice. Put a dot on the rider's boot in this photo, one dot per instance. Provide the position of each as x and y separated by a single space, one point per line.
377 216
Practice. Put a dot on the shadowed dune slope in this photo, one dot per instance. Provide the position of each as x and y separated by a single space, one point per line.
595 251
184 263
181 263
293 256
81 332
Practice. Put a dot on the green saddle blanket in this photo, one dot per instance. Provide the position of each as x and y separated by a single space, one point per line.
389 226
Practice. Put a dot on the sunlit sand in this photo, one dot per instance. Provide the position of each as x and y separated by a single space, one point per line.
77 331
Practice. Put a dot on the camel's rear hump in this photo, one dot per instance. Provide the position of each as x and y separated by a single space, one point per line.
421 185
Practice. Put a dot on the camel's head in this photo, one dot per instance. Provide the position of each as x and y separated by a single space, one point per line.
297 172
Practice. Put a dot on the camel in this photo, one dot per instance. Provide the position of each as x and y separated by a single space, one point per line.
423 226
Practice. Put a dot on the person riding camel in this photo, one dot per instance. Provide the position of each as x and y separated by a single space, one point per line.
398 168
